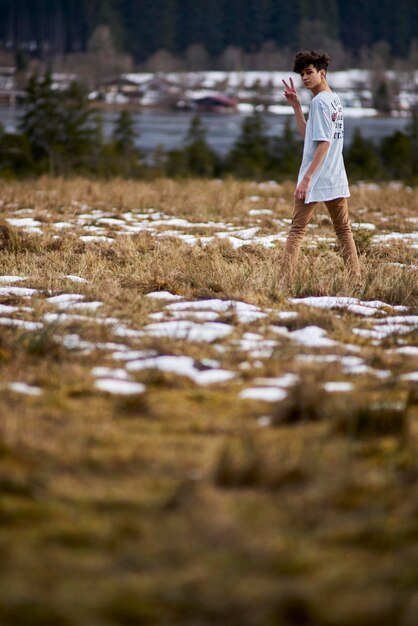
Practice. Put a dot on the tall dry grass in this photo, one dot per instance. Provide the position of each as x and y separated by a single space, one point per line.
180 506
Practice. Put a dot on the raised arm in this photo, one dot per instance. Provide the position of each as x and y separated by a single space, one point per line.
292 97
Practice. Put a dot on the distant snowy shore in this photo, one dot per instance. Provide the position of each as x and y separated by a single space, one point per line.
354 87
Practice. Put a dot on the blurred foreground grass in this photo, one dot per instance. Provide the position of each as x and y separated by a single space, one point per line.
178 506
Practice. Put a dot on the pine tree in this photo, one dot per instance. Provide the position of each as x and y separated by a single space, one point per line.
42 120
362 159
250 156
124 132
398 155
77 128
125 154
286 153
57 124
412 133
381 97
200 158
196 158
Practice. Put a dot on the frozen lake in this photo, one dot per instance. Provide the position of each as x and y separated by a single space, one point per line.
168 128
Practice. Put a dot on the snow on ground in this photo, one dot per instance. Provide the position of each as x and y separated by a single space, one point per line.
256 347
268 394
119 387
101 227
11 279
23 388
17 291
255 335
163 295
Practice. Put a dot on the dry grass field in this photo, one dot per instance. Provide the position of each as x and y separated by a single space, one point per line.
184 439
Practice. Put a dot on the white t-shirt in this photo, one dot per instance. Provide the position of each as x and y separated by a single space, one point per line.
325 123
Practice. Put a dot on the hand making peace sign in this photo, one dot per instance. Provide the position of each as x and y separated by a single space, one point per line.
290 92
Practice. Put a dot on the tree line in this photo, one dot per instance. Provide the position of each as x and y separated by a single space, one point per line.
60 134
142 28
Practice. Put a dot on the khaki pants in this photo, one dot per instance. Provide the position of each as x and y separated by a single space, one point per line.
338 210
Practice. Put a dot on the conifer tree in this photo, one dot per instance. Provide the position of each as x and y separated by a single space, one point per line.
57 125
77 128
126 154
250 156
200 158
286 153
362 159
41 120
196 158
381 98
124 132
398 155
412 132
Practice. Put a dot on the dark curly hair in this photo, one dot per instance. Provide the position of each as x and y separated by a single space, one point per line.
320 60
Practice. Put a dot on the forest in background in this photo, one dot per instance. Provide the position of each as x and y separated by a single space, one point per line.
207 30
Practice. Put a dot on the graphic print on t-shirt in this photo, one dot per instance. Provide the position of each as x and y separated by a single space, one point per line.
338 119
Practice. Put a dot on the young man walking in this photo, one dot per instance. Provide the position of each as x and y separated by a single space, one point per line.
322 176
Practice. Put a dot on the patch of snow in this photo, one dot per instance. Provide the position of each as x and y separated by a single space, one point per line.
131 355
109 372
110 345
353 365
317 358
91 306
12 279
5 308
408 350
65 299
75 279
312 337
7 321
181 315
163 295
246 313
28 390
338 386
62 225
23 292
90 238
255 345
24 222
360 309
65 317
268 394
399 319
411 376
111 221
74 342
264 421
191 331
119 387
287 380
183 366
362 226
260 212
395 236
287 315
212 376
404 266
383 331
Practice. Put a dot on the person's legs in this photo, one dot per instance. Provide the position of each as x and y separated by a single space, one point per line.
338 210
301 217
